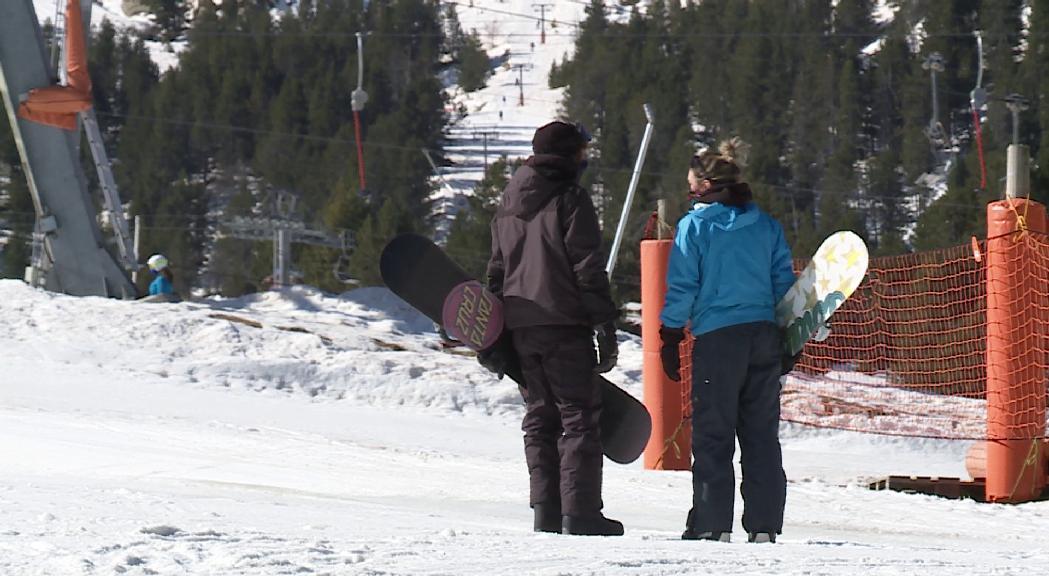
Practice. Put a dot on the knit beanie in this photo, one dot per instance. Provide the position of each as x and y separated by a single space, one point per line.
559 138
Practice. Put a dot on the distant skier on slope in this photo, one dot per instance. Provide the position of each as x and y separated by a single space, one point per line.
548 267
729 266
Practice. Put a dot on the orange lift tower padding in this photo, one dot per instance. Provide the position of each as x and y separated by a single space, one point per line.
1016 388
58 106
669 447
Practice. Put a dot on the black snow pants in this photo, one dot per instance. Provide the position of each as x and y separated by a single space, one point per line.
735 392
562 436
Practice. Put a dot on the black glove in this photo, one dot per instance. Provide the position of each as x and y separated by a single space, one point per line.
607 347
787 363
670 352
494 360
499 357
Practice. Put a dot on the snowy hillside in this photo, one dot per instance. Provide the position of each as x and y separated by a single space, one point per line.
164 54
306 433
517 99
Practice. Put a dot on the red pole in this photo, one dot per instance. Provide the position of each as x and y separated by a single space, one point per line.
360 147
979 149
669 447
1015 384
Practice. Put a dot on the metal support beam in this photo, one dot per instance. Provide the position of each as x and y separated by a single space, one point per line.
1018 173
634 179
281 257
110 195
484 134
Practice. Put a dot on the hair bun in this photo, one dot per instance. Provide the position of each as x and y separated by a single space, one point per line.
735 150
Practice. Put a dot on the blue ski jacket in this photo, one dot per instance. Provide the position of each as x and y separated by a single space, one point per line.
729 265
160 285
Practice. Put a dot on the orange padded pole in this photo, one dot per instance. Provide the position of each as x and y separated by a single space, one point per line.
58 106
669 447
1015 388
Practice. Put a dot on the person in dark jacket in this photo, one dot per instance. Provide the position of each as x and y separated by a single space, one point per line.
729 266
548 268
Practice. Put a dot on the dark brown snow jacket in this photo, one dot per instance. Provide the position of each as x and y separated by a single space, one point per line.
547 263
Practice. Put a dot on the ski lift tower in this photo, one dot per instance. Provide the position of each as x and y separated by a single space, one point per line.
934 63
284 227
73 257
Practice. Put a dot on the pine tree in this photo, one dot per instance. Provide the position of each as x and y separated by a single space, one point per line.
946 21
19 216
470 239
1000 21
889 216
811 115
837 198
954 217
103 68
1036 62
17 209
378 229
473 64
237 266
170 17
281 153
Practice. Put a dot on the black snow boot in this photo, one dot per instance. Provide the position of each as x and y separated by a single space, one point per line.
547 518
690 534
596 525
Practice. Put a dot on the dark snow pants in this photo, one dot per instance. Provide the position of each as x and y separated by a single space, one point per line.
562 436
735 392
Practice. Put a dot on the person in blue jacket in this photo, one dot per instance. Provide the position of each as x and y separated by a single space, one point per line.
163 281
729 266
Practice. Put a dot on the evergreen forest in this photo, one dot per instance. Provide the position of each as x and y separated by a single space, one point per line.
835 98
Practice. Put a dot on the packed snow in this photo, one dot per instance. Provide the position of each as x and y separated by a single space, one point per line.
301 432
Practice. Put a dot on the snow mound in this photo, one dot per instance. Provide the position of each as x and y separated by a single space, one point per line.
364 346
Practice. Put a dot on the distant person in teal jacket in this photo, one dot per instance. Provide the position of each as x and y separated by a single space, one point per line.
163 282
729 266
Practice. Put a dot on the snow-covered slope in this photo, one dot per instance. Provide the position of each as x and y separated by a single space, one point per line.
517 98
164 54
307 433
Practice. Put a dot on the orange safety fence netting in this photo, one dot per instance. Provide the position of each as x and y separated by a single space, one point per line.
907 351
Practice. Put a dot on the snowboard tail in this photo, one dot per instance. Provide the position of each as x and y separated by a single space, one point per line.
833 274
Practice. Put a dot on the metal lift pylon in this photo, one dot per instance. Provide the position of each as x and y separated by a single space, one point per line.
75 259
